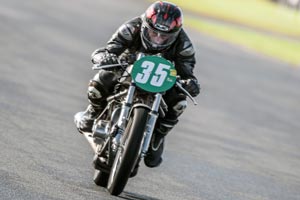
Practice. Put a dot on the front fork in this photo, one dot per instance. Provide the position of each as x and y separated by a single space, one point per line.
152 117
121 124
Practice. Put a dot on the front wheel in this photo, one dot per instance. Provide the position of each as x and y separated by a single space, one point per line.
128 151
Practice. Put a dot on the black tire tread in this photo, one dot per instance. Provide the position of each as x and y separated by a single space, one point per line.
131 150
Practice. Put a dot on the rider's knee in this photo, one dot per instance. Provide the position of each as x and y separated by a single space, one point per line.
101 86
179 107
95 93
166 124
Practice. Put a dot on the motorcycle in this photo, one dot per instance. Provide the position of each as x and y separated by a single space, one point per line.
121 134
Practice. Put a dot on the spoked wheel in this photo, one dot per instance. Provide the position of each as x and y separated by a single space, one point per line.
128 151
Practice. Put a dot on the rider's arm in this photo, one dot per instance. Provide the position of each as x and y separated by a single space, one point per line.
185 62
124 37
185 57
120 40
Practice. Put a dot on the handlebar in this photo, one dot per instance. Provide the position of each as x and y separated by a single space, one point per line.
179 85
98 66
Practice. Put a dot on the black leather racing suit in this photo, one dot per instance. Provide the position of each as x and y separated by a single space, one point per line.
126 42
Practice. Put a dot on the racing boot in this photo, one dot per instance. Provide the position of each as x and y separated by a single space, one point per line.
84 120
153 157
155 151
135 169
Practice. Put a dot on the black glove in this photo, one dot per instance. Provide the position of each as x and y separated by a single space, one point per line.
105 58
192 86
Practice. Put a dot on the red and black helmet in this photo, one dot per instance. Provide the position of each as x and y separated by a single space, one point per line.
161 25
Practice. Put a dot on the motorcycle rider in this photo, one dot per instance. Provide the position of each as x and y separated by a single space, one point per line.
158 30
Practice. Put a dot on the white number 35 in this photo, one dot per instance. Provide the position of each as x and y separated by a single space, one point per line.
158 79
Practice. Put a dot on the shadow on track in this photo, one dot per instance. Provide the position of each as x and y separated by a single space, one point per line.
133 196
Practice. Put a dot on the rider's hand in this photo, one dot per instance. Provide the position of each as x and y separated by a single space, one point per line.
192 86
105 58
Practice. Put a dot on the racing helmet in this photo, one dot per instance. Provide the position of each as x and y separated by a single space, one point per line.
161 24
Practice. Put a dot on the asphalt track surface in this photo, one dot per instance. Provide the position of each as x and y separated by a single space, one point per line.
241 142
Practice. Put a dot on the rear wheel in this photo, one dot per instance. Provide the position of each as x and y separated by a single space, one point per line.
128 151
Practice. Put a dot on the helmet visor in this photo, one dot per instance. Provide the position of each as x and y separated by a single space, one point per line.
158 39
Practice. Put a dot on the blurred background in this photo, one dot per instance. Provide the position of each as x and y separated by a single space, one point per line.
269 27
295 4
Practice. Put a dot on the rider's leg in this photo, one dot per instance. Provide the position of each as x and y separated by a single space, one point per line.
99 88
176 105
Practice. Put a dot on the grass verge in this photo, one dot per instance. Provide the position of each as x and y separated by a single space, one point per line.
260 14
283 49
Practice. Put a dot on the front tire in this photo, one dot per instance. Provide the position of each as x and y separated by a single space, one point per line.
128 151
